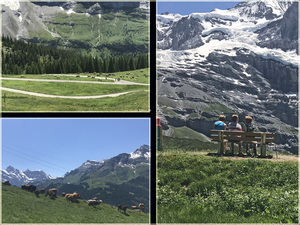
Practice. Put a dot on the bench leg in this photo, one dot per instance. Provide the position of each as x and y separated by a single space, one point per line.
263 145
221 148
263 150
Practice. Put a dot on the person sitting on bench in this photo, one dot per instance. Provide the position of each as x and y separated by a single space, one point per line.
221 125
235 126
249 127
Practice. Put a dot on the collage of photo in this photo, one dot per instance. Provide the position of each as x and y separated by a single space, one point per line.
149 112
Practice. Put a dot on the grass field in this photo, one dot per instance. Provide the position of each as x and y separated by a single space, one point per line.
195 188
132 102
21 206
138 101
137 74
70 89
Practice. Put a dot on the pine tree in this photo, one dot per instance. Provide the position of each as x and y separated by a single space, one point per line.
131 63
111 66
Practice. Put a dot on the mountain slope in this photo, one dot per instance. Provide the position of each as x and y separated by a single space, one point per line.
228 61
20 206
102 29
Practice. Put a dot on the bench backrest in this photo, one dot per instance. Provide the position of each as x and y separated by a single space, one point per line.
242 136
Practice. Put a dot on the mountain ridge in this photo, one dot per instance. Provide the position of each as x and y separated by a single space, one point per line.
222 65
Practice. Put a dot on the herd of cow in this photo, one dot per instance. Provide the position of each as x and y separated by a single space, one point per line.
72 197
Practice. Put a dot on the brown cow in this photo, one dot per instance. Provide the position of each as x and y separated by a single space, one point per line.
42 191
37 192
28 187
51 192
122 207
6 183
142 207
93 202
63 194
73 197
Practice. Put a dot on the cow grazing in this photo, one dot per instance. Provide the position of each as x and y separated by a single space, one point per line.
28 187
37 192
93 202
135 207
142 207
51 192
77 75
73 197
6 183
63 194
42 191
52 195
122 207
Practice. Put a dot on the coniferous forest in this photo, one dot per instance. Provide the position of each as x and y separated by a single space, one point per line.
19 57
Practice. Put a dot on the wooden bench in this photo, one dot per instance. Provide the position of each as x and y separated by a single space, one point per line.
222 136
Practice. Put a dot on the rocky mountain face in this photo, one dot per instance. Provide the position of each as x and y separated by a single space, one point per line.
19 177
83 26
242 60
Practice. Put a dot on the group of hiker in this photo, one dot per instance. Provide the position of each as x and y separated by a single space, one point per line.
235 126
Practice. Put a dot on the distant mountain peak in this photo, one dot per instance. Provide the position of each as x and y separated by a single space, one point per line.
142 151
19 177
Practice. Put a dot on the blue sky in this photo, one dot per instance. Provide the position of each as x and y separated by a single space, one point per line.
59 145
188 7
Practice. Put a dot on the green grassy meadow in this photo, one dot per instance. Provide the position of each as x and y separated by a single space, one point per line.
137 74
195 188
21 206
131 102
70 89
138 101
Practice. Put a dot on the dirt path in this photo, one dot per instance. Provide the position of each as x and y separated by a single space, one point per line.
278 158
121 82
57 96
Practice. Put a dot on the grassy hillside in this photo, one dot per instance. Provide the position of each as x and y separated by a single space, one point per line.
109 34
20 206
187 144
185 132
132 102
201 189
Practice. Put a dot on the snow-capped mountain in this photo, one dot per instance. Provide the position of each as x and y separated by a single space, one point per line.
142 151
19 177
242 60
132 160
